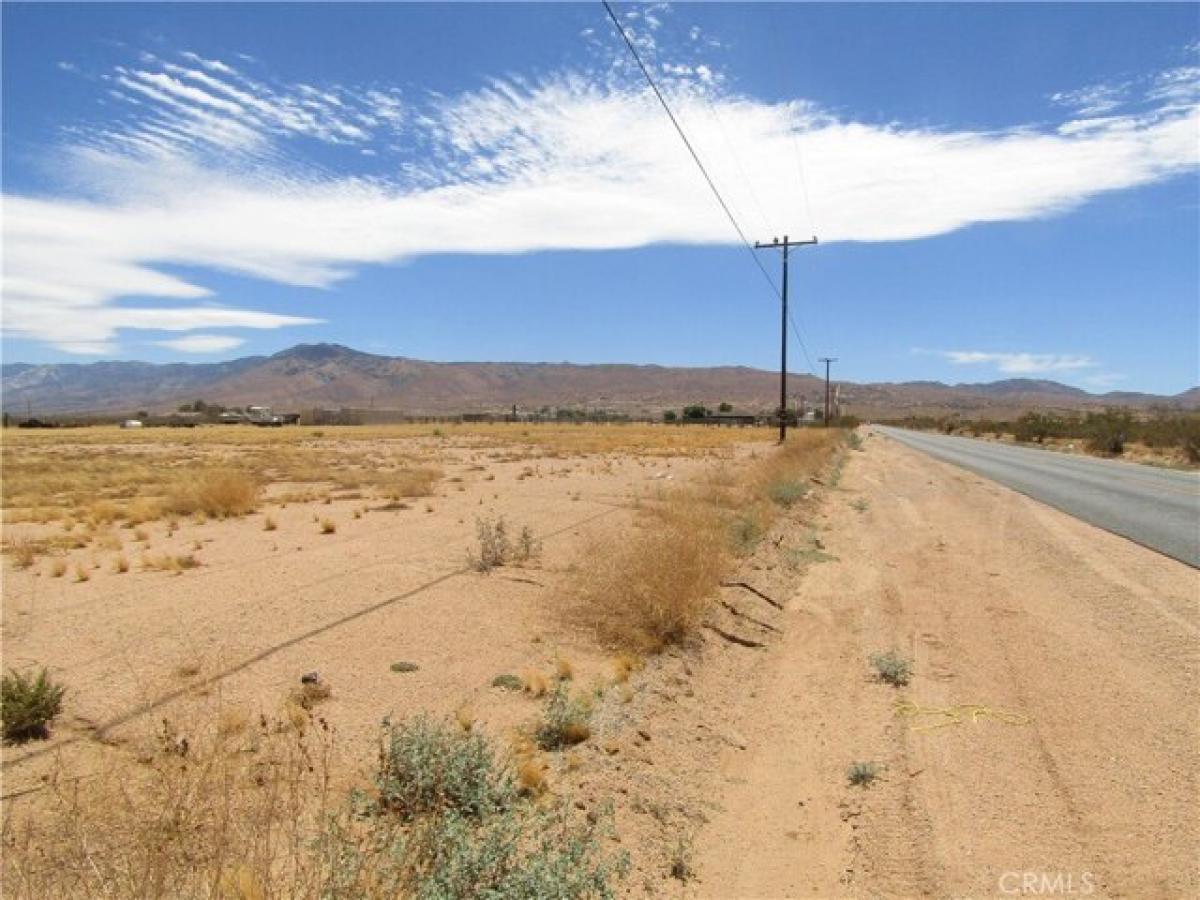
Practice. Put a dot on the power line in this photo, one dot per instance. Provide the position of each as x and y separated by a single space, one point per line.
703 171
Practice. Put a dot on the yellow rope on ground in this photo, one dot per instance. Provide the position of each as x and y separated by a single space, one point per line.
957 715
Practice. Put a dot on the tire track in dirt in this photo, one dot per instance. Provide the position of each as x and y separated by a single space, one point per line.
999 601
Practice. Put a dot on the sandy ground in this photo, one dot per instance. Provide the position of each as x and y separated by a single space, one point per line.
265 607
726 760
1003 603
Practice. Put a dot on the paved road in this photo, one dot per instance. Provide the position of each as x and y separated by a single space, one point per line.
1156 507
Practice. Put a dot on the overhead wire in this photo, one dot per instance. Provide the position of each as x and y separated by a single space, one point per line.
704 171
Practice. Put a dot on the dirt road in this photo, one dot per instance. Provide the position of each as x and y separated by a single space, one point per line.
1000 602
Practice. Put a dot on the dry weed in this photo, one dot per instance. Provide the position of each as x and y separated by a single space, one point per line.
651 587
535 682
217 494
24 552
652 590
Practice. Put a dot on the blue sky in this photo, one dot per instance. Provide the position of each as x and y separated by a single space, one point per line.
999 190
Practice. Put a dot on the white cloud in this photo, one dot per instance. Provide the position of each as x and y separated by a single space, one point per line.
202 343
1095 99
572 162
1021 363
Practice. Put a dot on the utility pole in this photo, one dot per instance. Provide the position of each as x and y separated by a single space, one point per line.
783 323
827 360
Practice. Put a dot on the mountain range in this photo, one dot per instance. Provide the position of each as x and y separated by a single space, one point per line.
332 376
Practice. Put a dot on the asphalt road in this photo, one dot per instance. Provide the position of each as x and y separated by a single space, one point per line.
1159 508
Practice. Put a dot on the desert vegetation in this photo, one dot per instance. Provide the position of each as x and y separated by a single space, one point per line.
1171 434
263 797
28 704
892 667
249 809
644 591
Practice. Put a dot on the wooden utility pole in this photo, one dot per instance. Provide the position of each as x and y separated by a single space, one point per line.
827 360
783 323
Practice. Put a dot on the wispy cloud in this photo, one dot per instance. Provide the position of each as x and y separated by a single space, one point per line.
1020 363
195 105
577 160
202 343
1095 99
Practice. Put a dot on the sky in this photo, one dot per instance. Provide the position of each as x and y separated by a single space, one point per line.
998 190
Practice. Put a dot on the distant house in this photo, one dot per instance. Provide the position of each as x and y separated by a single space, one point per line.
731 418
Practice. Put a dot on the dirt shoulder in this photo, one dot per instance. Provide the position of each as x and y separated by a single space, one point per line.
1090 642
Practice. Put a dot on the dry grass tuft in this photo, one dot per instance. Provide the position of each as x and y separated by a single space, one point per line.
417 482
121 564
650 591
465 716
563 670
166 562
269 524
624 664
218 494
328 526
310 693
535 682
58 568
24 553
221 809
646 589
531 776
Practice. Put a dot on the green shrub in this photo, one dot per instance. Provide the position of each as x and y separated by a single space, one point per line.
565 720
861 774
682 853
509 682
1166 428
522 852
892 667
28 705
428 767
450 824
744 534
1108 431
1035 426
786 493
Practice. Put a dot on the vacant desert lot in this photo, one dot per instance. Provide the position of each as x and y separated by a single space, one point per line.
354 559
181 583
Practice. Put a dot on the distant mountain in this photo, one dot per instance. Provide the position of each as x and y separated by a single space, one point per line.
330 375
1019 386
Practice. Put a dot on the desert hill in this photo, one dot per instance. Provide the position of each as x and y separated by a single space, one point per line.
330 375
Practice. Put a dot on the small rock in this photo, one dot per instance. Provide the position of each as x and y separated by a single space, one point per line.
644 735
310 678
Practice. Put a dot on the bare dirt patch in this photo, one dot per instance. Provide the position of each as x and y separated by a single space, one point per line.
1047 734
196 631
